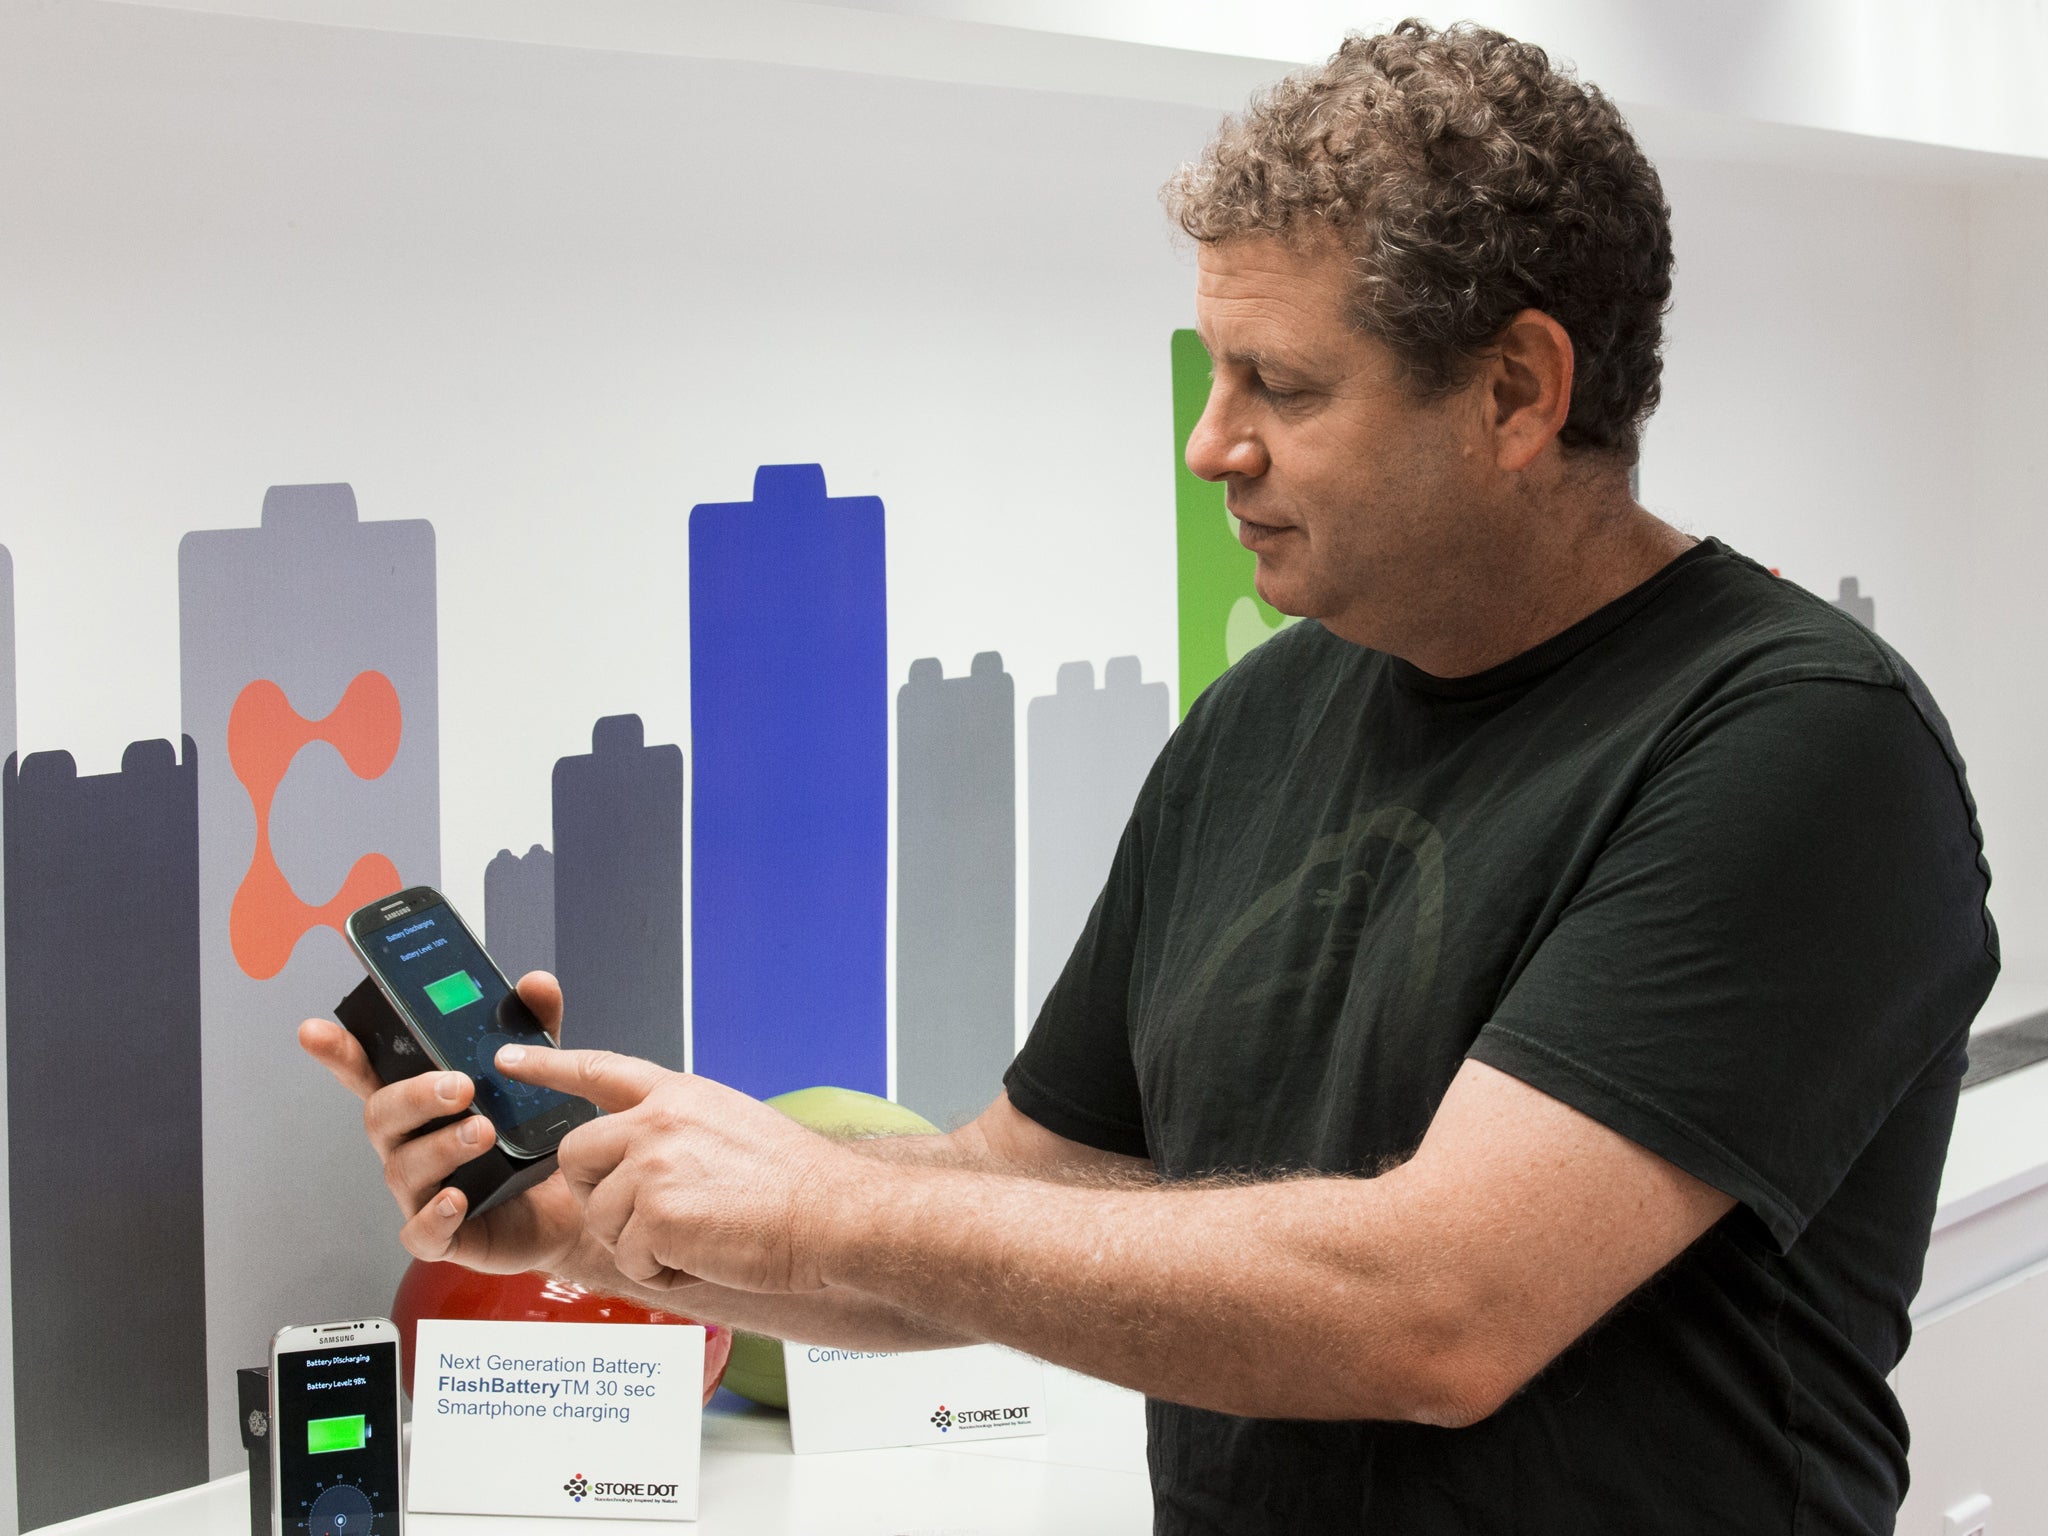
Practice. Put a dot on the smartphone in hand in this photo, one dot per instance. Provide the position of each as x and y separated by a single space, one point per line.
460 1010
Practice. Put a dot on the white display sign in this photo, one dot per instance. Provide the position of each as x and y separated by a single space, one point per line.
598 1420
853 1400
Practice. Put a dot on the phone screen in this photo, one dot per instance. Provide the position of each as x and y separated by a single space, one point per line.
434 967
337 1440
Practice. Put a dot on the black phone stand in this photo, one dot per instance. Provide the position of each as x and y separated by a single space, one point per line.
252 1389
488 1180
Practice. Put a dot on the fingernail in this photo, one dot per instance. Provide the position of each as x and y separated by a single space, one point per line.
511 1055
449 1087
445 1205
471 1130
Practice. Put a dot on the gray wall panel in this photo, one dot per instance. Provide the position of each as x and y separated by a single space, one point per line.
103 1130
1089 750
337 614
1854 601
956 887
519 910
619 893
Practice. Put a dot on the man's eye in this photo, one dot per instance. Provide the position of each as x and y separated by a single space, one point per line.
1273 392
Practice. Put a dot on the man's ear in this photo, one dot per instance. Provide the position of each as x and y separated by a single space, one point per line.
1529 375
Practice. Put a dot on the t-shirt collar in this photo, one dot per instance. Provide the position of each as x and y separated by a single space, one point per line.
1539 659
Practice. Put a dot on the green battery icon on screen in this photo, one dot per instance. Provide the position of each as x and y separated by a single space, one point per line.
351 1432
453 992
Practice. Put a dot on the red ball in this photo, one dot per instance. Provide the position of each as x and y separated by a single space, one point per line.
449 1290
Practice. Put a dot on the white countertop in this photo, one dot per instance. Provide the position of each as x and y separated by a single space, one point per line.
2000 1145
1084 1478
1991 1216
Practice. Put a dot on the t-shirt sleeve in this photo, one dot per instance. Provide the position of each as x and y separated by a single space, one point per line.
1075 1076
1784 932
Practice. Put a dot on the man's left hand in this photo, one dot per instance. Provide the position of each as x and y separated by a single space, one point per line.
685 1179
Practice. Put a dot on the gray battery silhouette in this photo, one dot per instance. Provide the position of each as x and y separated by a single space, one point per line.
619 893
1088 751
8 1524
102 877
519 911
310 641
956 887
1854 601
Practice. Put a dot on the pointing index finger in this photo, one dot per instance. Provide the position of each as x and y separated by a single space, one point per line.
610 1081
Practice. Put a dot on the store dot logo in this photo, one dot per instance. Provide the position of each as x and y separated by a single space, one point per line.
576 1487
265 734
943 1419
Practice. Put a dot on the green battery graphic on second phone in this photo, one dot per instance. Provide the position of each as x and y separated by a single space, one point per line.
453 992
351 1432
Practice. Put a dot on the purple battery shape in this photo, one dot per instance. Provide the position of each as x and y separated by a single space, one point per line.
789 724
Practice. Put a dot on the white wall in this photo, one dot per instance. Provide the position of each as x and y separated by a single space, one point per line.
1963 73
1998 554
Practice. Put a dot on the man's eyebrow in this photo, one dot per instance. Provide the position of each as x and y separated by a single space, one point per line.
1260 361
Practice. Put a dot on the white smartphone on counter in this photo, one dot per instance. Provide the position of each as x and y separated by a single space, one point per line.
334 1447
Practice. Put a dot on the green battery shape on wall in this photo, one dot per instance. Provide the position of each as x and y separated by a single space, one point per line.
453 992
350 1432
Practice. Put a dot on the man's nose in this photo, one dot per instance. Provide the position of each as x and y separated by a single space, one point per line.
1220 446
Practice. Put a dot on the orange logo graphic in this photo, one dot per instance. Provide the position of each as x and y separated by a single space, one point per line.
265 734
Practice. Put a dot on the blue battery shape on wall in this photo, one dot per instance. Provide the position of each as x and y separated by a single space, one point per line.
789 709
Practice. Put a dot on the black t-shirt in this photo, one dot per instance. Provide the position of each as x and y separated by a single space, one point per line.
1704 867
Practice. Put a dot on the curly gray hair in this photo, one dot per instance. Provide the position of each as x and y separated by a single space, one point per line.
1469 179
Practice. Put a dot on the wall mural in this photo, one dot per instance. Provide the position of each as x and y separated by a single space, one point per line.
519 910
1088 750
103 1128
332 621
956 886
308 782
789 699
617 895
1852 600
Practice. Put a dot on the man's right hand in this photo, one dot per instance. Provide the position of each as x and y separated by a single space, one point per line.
538 1230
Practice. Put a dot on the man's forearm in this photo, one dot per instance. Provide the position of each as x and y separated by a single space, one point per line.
838 1316
1268 1300
966 1149
843 1318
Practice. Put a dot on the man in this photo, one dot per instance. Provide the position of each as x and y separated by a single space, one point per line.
1504 1083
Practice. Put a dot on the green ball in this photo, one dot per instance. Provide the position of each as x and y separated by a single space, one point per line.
755 1370
849 1112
